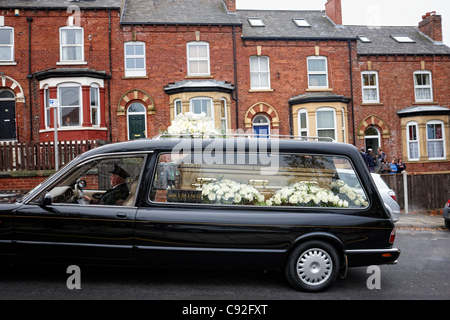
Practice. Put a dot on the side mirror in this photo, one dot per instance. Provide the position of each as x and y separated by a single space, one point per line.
47 199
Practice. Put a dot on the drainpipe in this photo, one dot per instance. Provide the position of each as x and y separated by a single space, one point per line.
29 77
351 89
235 94
109 79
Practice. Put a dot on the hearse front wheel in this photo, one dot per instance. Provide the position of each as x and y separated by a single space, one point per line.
313 266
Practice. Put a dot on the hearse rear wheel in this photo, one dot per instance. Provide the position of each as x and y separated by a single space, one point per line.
313 266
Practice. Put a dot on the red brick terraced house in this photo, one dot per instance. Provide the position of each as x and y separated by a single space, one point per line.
123 70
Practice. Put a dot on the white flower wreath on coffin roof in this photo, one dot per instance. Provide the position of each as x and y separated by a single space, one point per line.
193 124
227 191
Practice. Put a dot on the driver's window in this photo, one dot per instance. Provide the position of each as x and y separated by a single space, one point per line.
102 181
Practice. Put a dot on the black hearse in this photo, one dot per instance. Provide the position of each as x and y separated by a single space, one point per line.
209 203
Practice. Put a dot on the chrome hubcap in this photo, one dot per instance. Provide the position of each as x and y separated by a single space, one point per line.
314 267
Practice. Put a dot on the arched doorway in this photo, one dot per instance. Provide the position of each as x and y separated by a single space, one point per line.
137 124
7 115
261 126
372 139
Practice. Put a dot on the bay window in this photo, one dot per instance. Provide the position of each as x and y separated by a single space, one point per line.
412 137
303 122
199 105
69 105
95 104
435 140
326 123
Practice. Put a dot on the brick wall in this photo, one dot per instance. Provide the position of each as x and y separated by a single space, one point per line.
23 183
165 63
396 86
45 53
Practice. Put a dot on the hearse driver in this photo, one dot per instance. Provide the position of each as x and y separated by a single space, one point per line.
119 191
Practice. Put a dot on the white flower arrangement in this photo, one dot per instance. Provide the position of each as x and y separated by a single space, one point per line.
227 191
193 125
343 190
306 194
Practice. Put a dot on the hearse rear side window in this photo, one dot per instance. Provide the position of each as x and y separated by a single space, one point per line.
297 180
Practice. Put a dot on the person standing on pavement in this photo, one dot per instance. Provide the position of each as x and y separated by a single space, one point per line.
393 167
400 166
363 155
370 160
381 156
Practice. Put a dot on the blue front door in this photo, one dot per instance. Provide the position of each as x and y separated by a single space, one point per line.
261 131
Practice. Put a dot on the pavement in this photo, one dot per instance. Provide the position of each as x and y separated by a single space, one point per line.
420 220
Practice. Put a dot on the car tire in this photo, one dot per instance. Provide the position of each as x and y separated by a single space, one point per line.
313 266
447 224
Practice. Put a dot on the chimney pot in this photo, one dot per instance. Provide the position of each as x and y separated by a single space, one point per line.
431 25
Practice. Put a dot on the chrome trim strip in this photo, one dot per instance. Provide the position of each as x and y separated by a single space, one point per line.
392 250
208 249
75 244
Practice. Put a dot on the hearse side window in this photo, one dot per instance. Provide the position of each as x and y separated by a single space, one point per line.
103 181
298 180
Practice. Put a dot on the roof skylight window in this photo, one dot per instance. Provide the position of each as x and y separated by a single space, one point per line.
256 22
364 39
403 39
301 23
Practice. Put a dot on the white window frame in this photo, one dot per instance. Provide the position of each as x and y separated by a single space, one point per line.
47 109
60 107
322 72
410 141
442 140
428 86
10 45
302 23
211 104
61 45
328 128
177 103
300 129
198 59
259 60
134 72
224 118
370 87
96 88
256 22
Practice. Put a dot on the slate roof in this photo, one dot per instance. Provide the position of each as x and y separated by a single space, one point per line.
177 12
383 43
280 24
59 4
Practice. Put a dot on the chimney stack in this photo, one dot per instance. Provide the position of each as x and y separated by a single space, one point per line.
333 11
231 5
431 25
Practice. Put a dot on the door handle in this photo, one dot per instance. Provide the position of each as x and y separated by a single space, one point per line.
121 215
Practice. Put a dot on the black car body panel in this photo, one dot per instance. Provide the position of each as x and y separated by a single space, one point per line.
166 234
